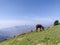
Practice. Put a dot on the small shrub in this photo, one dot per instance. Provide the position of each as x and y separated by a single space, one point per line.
56 22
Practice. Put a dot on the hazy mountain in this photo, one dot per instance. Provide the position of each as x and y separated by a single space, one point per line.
7 33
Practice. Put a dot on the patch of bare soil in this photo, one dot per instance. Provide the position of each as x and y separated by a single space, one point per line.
58 44
41 44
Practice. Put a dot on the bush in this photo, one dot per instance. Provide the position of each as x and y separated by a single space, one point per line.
56 22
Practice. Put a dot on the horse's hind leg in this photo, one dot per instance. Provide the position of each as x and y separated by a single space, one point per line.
40 29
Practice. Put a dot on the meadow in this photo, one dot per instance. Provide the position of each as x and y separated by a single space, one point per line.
50 36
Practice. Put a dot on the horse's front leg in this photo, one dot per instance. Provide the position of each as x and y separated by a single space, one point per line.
36 29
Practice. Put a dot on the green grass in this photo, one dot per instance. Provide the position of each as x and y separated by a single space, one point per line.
50 36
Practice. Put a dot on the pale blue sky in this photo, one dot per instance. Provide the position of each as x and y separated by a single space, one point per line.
18 12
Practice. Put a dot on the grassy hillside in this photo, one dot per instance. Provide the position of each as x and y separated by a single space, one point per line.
50 36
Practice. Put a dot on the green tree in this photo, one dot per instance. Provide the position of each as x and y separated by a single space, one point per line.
56 22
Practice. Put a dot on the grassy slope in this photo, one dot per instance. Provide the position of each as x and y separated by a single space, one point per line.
50 36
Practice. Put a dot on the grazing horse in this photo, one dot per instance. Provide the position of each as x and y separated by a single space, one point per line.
39 26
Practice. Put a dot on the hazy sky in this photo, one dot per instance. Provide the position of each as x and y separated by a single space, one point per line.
18 12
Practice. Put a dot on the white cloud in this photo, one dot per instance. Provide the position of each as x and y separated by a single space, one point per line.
33 20
9 23
42 19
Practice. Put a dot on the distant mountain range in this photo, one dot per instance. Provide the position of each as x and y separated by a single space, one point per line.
7 33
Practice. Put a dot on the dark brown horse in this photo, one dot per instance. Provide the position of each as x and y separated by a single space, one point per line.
40 27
